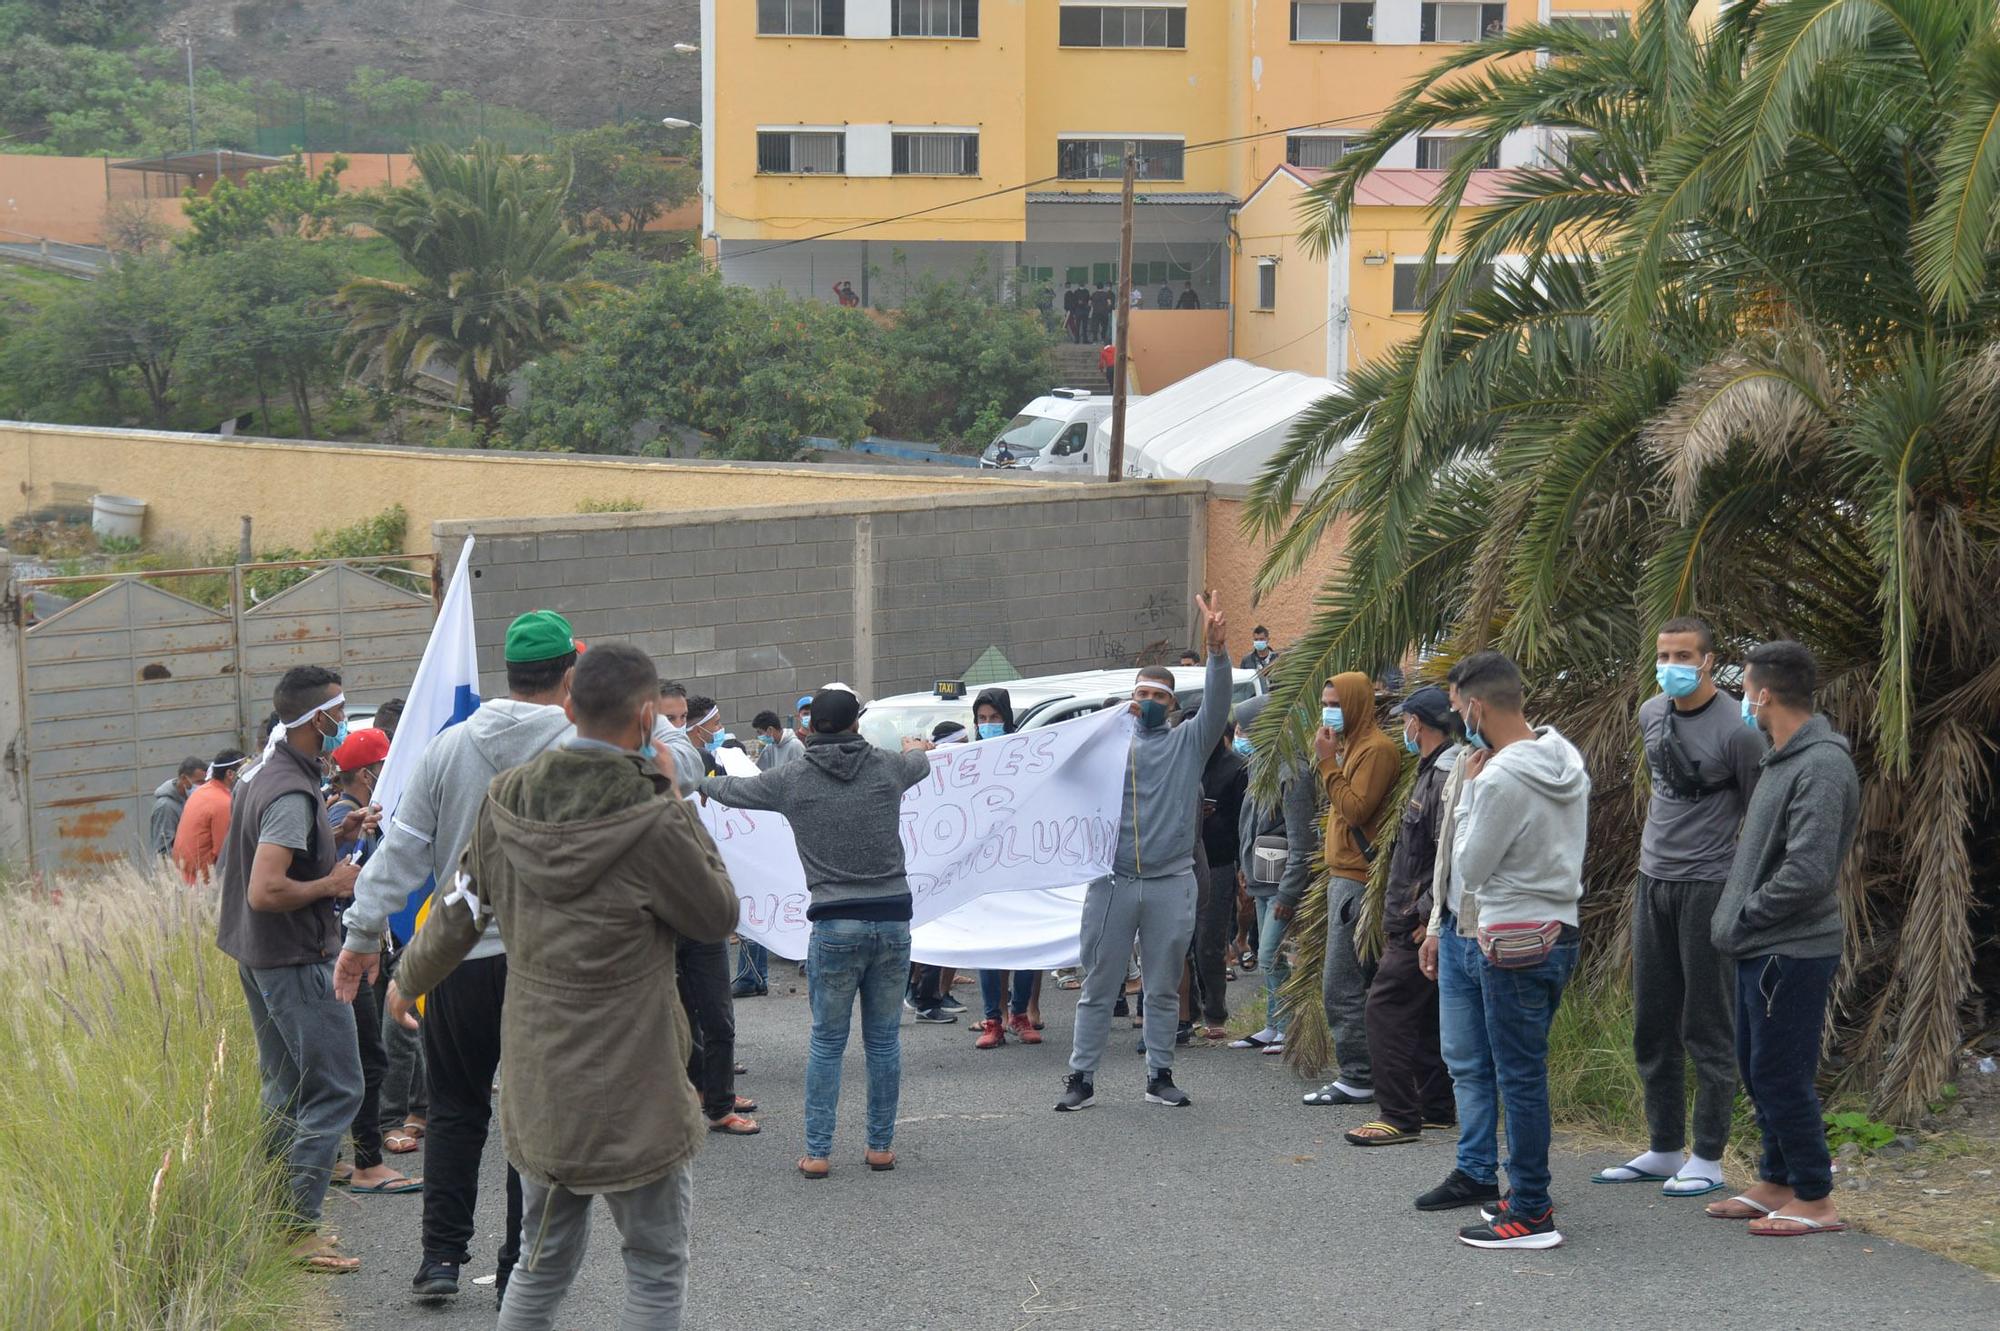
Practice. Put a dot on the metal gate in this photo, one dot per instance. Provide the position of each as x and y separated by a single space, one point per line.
149 668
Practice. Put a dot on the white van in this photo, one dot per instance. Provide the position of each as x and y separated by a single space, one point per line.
1068 431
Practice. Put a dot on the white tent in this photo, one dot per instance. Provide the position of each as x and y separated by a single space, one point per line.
1220 424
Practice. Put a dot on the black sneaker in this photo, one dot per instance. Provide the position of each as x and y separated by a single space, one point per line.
950 1004
1077 1094
1513 1230
936 1016
1160 1090
500 1287
1121 1008
435 1280
1184 1032
1458 1189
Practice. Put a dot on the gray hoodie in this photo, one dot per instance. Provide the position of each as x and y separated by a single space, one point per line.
1781 898
1156 827
844 800
1517 844
168 801
1298 801
430 827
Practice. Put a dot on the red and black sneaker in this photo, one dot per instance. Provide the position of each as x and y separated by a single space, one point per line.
1510 1229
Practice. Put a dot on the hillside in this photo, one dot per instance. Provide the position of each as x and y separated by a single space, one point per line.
577 62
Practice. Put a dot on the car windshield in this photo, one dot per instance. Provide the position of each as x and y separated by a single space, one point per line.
888 727
1029 434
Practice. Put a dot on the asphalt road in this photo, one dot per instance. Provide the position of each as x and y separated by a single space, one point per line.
1246 1209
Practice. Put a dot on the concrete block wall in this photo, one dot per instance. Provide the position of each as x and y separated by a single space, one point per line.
757 606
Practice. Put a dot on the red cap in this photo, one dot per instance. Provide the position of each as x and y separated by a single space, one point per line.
361 748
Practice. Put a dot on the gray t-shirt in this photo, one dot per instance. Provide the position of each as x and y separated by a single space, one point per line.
288 823
1694 840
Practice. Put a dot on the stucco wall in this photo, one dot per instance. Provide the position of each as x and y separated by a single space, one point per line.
1169 345
1233 559
195 486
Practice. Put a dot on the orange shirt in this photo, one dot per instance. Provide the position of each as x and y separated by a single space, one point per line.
204 830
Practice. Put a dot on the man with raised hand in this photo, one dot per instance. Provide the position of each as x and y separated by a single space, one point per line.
462 1019
1151 889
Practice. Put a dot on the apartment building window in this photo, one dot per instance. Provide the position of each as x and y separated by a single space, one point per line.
1605 27
1408 297
793 152
1160 26
1318 151
801 18
932 154
1267 284
1441 152
1353 21
1460 22
934 18
1104 159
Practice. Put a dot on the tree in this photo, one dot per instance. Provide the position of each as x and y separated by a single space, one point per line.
1771 396
617 183
272 319
496 275
960 362
756 370
389 96
278 201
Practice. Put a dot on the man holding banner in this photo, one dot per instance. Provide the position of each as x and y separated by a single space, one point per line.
428 827
1151 889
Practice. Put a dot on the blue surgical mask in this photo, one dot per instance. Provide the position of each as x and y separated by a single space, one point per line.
1261 644
1242 745
1749 713
1152 714
1331 717
991 729
328 743
1677 681
647 751
1410 741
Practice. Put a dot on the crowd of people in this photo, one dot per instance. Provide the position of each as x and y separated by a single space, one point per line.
565 870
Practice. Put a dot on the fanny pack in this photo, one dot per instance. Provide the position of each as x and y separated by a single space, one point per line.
1267 859
1519 945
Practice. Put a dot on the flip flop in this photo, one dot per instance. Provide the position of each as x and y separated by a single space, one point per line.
320 1258
880 1161
1379 1133
1695 1185
399 1142
1250 1042
1811 1226
812 1167
1625 1174
389 1187
1330 1094
745 1105
1757 1209
734 1125
1275 1047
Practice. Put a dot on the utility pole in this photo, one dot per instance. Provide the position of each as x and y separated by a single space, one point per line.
190 55
1122 305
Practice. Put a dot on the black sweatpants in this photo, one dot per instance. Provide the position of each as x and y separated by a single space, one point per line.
1215 926
461 1054
704 981
1681 1009
367 1129
1411 1085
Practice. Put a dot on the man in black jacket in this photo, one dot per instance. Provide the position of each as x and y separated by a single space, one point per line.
1412 1088
1222 783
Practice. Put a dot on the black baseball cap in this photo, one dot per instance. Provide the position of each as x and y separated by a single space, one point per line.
833 710
1429 704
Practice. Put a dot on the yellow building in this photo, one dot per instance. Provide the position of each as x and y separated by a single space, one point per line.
848 143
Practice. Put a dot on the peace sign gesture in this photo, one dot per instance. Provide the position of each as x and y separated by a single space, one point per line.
1213 627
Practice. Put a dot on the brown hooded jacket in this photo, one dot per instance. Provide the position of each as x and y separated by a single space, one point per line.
1358 782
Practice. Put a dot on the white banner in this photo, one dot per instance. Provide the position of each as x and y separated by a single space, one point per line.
1018 815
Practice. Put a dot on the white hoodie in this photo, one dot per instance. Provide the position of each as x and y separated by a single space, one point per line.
1517 845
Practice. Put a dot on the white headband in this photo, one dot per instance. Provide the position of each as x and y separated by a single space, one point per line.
713 713
213 768
278 732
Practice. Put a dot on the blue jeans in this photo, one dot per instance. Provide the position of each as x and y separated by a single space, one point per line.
1270 959
1520 1005
1468 1052
993 986
1780 1017
753 962
872 959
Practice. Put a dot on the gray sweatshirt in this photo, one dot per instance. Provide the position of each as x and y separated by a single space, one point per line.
1517 845
1781 897
1156 827
1694 840
431 825
786 750
168 801
844 800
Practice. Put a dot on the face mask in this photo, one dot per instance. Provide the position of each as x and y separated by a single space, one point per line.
1261 644
1331 717
1677 681
328 743
991 730
805 721
1242 746
1409 741
1473 737
1750 713
1152 714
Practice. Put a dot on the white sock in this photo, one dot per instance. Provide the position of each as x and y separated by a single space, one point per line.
1355 1091
1267 1035
1696 1167
1664 1163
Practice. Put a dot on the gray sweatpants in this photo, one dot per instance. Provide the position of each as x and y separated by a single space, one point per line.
555 1230
1343 984
309 1064
1682 1008
1161 912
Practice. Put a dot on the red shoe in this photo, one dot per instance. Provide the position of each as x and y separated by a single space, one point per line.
1024 1030
990 1034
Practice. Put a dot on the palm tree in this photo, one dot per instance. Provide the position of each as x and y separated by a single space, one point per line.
496 273
1748 369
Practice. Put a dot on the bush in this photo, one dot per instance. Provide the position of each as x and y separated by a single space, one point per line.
138 1193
